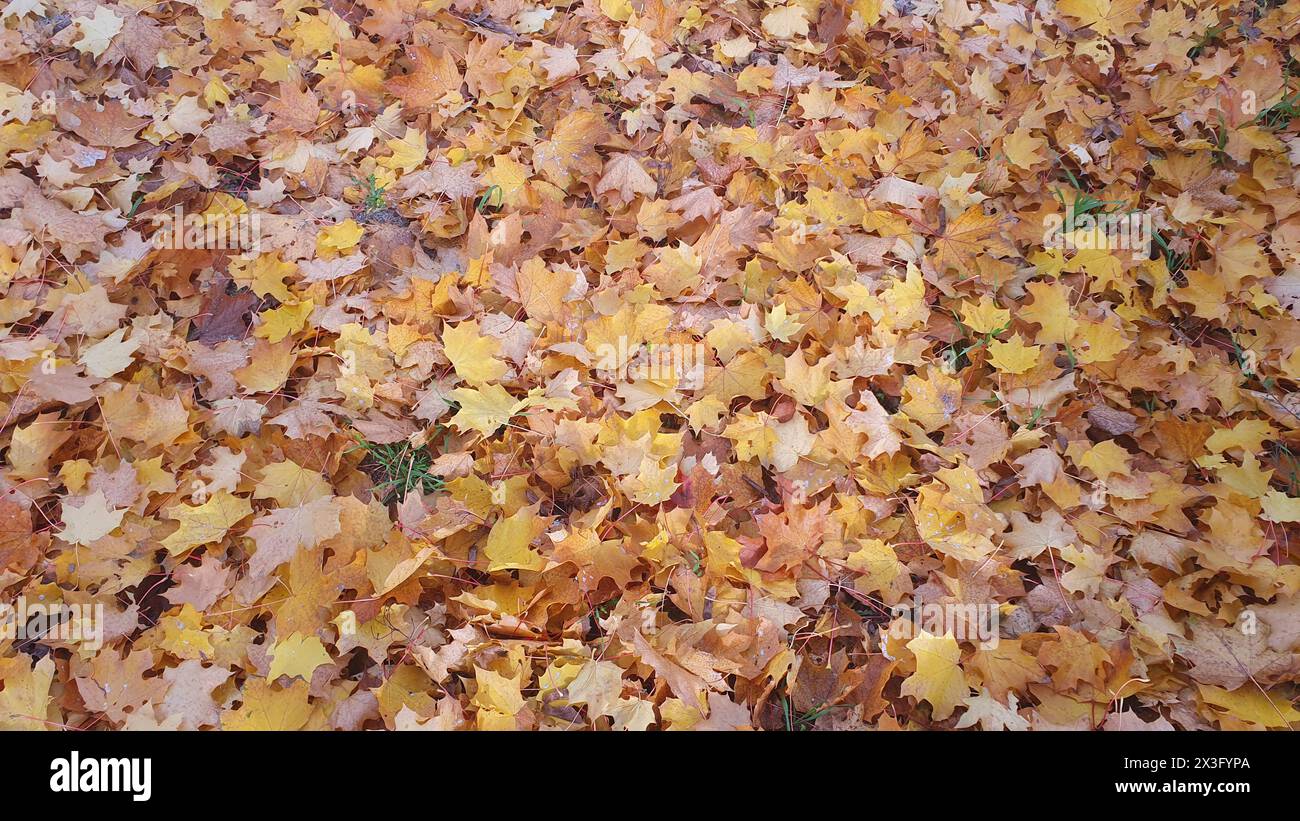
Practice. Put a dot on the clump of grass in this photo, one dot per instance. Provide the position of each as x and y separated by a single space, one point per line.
1174 261
1084 202
602 610
1292 471
398 469
1220 151
1209 38
957 353
374 198
804 722
1279 115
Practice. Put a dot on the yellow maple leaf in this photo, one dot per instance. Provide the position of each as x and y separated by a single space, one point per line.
1278 507
1248 435
433 78
1014 356
877 563
402 337
752 437
508 542
617 10
266 708
1098 342
290 484
705 413
472 353
31 447
793 440
1252 706
542 290
339 238
296 655
938 678
1051 309
971 234
506 180
652 484
984 317
409 152
903 302
931 399
183 635
110 355
869 10
786 22
499 697
205 523
485 410
859 300
286 320
1105 459
780 324
97 31
1106 17
808 384
90 521
264 274
1023 148
268 367
26 695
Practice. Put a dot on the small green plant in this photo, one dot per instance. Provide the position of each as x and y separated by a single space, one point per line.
491 198
957 357
374 198
1084 202
398 468
1174 261
1206 40
1220 151
1279 115
748 112
697 563
602 610
805 721
1280 452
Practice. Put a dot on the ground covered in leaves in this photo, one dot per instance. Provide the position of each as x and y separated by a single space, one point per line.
630 364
